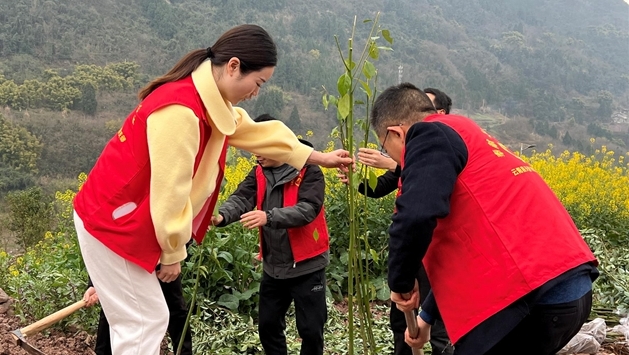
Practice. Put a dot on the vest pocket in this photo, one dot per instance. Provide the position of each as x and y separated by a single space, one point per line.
123 210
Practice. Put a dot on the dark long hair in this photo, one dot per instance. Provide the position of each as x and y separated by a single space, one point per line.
251 44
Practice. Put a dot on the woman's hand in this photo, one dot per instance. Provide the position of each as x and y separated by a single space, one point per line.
90 297
335 159
169 273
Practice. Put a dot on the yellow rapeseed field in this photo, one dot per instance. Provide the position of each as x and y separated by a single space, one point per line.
594 189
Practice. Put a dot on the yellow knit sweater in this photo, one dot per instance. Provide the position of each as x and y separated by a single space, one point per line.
176 197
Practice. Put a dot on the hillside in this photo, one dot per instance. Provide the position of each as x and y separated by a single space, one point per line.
539 66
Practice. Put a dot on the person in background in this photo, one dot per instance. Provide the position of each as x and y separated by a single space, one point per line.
386 184
441 101
157 180
286 205
509 271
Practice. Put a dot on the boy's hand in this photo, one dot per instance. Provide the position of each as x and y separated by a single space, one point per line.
342 177
343 171
253 219
216 220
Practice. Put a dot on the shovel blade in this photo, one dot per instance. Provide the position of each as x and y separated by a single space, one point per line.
21 342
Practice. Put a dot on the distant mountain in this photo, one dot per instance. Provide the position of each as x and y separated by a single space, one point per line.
551 62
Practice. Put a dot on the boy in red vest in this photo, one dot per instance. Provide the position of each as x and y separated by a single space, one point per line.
286 204
509 270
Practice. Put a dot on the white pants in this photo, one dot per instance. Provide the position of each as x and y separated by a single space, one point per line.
131 298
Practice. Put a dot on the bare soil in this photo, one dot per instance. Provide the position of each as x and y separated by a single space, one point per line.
52 342
71 342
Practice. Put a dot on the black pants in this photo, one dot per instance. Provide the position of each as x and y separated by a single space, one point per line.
438 336
173 293
276 295
546 329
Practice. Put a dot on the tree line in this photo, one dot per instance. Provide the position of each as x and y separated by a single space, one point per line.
75 91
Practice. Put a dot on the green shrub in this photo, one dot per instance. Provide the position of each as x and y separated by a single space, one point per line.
229 275
30 215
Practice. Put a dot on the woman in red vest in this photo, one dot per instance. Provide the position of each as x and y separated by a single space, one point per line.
509 271
154 185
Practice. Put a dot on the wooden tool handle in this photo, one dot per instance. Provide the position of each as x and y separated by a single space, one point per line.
413 329
51 319
411 324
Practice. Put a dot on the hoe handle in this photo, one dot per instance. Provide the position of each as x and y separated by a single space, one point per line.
413 330
51 319
411 324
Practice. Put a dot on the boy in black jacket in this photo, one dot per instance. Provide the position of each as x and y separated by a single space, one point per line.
294 247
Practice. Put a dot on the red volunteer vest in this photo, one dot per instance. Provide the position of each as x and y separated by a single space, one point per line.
484 255
114 201
307 241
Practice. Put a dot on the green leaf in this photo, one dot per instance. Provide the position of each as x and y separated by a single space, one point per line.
367 21
344 258
247 294
369 70
374 255
387 36
355 181
343 106
333 100
385 48
373 51
351 65
366 87
229 301
373 179
227 256
344 84
324 99
359 102
315 235
383 293
335 132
